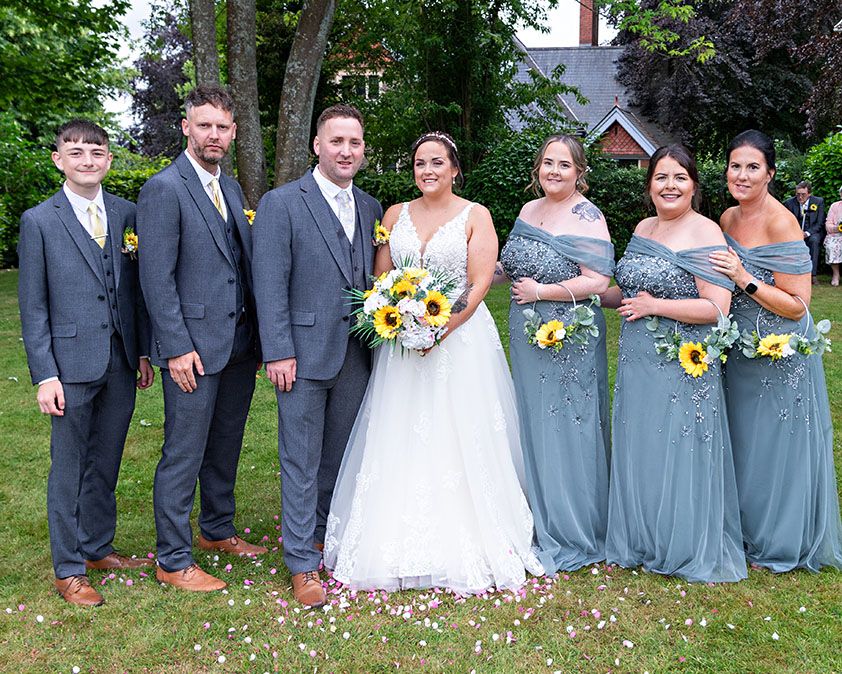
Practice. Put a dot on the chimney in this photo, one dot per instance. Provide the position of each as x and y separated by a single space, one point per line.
588 24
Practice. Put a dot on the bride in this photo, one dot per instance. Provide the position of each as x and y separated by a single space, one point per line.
429 493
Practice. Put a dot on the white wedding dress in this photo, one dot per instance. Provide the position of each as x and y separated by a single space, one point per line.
429 493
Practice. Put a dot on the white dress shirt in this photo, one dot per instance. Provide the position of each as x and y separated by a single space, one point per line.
205 178
329 191
80 209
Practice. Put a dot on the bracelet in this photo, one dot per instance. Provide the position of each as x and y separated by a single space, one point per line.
537 294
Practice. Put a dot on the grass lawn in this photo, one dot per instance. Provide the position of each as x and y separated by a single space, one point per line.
599 619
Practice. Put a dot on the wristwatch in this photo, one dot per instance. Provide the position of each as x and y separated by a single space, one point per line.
751 288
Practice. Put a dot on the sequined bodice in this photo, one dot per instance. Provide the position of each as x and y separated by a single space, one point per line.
524 257
740 302
447 249
656 275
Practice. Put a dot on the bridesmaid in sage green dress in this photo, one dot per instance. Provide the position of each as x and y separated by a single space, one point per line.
559 253
778 409
673 498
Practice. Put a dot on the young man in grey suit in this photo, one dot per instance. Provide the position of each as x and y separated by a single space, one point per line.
85 332
196 278
312 243
809 211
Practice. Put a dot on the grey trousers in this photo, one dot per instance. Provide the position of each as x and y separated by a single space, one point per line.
203 436
86 447
314 421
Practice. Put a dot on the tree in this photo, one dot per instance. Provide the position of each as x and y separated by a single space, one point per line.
298 94
753 80
161 78
203 33
242 79
58 58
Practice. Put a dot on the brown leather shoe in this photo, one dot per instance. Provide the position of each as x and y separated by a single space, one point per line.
233 546
117 561
77 590
190 578
307 589
319 547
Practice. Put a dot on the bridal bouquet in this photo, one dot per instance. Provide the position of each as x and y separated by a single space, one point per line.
695 357
406 306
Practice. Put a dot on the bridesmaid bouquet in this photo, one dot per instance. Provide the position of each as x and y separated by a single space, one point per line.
775 347
694 357
555 334
406 306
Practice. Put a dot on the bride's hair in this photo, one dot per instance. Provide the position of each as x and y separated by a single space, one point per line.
577 153
449 145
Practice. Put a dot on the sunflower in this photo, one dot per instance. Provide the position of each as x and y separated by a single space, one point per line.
414 274
404 288
438 309
550 334
693 358
774 346
387 320
367 293
249 215
381 234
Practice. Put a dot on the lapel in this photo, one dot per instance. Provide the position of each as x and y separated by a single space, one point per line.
80 237
366 220
115 235
204 204
324 219
235 210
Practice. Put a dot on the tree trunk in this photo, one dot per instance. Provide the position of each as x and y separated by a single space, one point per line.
299 90
242 81
203 24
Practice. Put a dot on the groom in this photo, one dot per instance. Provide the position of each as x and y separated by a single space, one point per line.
312 242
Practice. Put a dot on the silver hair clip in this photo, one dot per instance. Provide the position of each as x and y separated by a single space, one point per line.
438 135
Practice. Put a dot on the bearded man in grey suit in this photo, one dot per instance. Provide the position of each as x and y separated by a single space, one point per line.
312 243
195 274
85 331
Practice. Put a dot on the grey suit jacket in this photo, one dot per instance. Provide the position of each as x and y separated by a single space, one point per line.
63 294
186 270
302 274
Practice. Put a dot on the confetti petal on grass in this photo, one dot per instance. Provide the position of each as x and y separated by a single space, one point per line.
775 636
628 644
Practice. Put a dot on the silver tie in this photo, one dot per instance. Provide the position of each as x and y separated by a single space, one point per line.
346 214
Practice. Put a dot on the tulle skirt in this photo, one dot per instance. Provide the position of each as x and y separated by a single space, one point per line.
430 489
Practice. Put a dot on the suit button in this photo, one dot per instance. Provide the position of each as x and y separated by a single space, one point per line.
232 314
113 306
230 280
108 273
101 298
104 326
105 256
344 318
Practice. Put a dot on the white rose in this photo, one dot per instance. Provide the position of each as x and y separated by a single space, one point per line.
413 307
373 302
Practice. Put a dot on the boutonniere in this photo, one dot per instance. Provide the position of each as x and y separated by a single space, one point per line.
130 243
249 215
814 207
380 234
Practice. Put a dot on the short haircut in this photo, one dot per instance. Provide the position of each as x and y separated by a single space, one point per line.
682 155
804 185
446 140
577 153
81 130
339 110
209 94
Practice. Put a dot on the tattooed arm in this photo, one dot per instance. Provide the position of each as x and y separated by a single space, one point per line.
499 275
482 258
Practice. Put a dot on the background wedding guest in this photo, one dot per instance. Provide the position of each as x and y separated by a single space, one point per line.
558 253
195 273
312 243
833 239
777 402
809 211
86 334
672 500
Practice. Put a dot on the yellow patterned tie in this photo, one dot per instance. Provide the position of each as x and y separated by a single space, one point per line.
217 198
97 227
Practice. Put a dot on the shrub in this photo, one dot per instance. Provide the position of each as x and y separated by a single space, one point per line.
389 187
824 167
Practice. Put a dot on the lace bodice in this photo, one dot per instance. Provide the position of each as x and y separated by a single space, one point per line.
447 249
